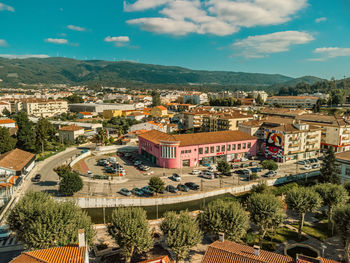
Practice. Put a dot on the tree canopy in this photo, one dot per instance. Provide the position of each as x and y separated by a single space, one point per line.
25 133
155 98
156 184
341 219
129 228
7 142
70 182
182 232
41 222
223 167
329 169
270 165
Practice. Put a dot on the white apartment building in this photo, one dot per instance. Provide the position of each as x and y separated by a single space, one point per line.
196 98
39 107
293 101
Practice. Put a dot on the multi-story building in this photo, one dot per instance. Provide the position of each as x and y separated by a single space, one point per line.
343 160
255 93
176 151
195 98
44 108
290 142
108 114
292 101
223 121
159 111
70 133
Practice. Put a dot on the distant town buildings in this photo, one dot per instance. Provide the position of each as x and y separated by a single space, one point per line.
292 101
195 98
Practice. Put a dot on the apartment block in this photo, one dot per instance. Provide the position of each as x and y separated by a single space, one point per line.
292 101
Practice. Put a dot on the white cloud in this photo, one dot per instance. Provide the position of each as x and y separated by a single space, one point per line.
60 41
321 19
218 17
3 43
13 56
262 45
4 7
120 41
76 28
330 52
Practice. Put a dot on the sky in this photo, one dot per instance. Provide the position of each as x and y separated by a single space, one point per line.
289 37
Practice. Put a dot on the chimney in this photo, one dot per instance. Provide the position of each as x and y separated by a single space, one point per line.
81 237
256 250
221 237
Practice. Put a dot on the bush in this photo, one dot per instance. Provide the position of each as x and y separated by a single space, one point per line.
270 165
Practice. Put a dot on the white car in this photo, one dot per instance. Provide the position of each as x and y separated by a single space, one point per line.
195 172
4 232
306 167
243 159
176 177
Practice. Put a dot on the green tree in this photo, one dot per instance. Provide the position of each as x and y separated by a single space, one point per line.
7 142
227 217
25 133
332 195
302 200
70 184
347 186
81 139
182 232
336 97
265 211
270 165
341 219
223 167
329 169
101 137
75 99
6 112
155 98
156 184
44 132
129 228
41 222
259 101
259 188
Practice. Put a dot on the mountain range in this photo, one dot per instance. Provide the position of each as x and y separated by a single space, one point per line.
57 70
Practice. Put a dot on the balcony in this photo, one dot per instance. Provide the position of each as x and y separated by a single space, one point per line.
311 136
346 131
294 144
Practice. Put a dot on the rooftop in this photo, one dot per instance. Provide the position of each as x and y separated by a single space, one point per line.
85 113
7 121
345 156
156 136
16 159
71 128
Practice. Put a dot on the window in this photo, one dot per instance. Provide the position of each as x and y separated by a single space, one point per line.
182 152
233 147
347 171
189 151
244 145
206 149
249 145
200 150
217 149
223 148
238 146
229 147
211 149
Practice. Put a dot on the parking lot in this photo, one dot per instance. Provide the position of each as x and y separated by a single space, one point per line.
136 178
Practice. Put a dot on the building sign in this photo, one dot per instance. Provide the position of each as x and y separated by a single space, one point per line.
221 153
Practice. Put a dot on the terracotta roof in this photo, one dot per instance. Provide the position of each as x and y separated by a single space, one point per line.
63 254
197 138
227 252
16 159
231 252
345 156
85 113
161 107
292 128
7 121
71 128
163 259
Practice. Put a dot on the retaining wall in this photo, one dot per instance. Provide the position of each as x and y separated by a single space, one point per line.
80 157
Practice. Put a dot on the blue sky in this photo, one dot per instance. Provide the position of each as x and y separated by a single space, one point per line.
291 37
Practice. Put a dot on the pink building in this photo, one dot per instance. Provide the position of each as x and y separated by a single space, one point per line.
176 151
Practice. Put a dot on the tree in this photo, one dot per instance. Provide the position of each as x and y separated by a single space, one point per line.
156 184
332 195
101 137
347 186
44 132
129 228
6 112
336 97
7 143
329 169
75 99
70 182
265 211
341 219
182 232
41 222
155 98
25 133
81 139
259 101
223 167
270 165
259 188
227 217
302 200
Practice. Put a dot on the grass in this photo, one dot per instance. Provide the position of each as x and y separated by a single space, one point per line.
318 230
44 155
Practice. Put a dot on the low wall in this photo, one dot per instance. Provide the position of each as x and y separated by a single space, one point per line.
97 202
80 157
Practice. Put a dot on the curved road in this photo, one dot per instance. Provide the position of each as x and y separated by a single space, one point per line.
49 179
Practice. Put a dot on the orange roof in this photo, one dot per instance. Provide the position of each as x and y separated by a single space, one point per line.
7 121
63 254
71 128
197 138
163 259
16 159
85 113
11 181
161 107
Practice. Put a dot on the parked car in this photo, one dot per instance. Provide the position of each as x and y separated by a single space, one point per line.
176 177
307 161
171 189
195 172
4 232
270 174
207 175
112 159
316 165
144 167
253 163
243 165
315 160
147 191
102 162
234 166
306 167
89 173
183 188
244 159
212 169
36 178
137 191
255 169
301 162
125 192
192 186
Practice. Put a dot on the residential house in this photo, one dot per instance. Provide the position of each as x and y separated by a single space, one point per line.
7 123
70 133
84 115
343 160
109 114
159 111
137 116
223 121
16 162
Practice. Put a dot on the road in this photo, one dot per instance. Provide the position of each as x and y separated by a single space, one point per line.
49 179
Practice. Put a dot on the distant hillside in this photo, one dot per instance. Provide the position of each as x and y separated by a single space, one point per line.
71 71
310 80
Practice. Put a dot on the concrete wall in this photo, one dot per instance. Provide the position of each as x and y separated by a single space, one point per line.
96 202
80 157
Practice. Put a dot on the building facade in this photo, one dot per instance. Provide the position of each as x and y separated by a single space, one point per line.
191 150
343 160
223 122
70 133
293 101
